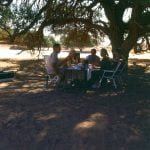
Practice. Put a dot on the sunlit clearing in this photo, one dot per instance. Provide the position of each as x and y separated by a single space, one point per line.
141 56
127 14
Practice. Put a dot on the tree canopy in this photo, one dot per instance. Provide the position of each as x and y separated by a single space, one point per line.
97 17
5 2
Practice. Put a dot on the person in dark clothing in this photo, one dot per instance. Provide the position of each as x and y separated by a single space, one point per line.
105 63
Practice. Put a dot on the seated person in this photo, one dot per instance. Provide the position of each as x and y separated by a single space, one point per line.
105 63
95 61
72 58
93 58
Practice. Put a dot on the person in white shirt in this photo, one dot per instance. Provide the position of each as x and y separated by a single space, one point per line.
53 62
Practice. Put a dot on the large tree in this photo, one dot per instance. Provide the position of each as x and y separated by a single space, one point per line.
99 17
122 34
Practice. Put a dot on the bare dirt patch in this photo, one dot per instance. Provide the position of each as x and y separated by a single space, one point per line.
35 118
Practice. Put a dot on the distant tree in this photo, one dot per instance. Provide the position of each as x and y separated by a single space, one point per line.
49 40
19 18
78 38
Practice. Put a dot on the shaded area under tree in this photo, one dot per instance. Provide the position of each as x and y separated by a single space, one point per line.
33 118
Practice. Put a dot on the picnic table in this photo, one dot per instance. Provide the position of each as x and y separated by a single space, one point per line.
80 72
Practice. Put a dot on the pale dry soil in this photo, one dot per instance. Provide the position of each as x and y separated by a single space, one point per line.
35 118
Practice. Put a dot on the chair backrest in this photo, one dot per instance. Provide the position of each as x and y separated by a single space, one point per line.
117 68
122 67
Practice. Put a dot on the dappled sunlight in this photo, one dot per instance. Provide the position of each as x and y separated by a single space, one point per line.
139 62
14 115
108 94
46 117
102 119
145 56
111 92
90 134
32 86
13 85
135 136
85 125
27 79
34 91
147 70
97 120
42 134
3 85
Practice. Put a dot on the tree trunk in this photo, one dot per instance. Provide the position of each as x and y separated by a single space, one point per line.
147 43
130 41
116 42
12 39
120 47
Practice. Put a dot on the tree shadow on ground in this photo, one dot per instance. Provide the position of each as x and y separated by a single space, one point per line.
36 118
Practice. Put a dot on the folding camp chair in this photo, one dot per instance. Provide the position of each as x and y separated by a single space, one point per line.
121 71
51 78
110 75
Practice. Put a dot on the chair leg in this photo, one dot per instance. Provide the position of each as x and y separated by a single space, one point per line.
114 82
52 80
120 80
100 82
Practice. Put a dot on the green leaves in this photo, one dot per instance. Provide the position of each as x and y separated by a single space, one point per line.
5 2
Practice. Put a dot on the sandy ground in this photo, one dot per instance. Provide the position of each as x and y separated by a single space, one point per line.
35 118
7 53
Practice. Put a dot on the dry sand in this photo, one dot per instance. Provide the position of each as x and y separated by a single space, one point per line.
7 53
